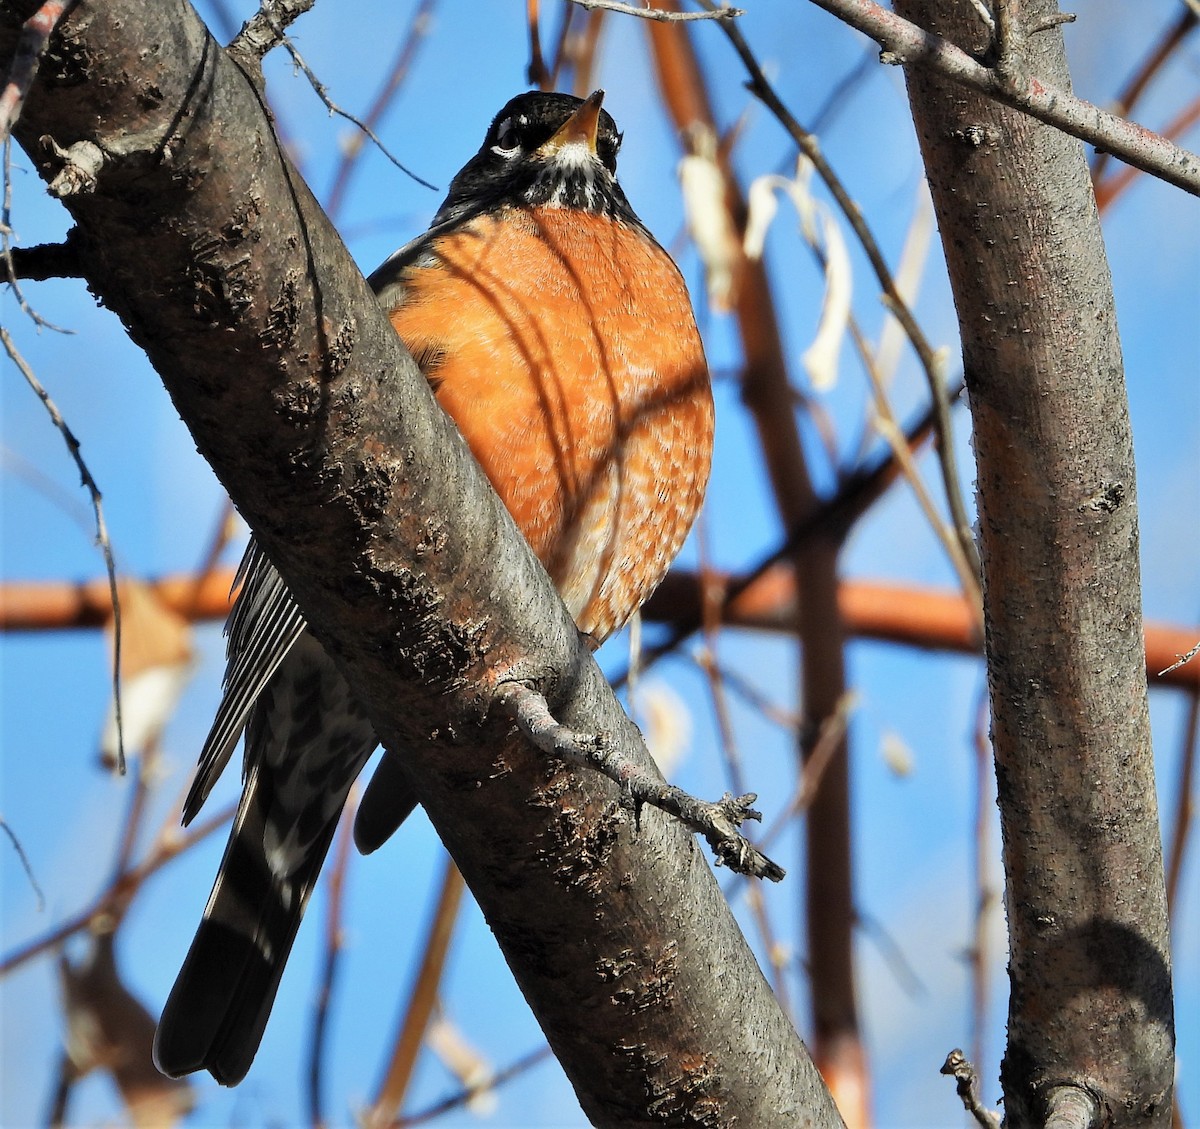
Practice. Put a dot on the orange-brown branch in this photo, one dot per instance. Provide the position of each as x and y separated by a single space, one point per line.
917 616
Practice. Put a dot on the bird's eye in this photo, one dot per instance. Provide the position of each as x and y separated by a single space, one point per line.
507 139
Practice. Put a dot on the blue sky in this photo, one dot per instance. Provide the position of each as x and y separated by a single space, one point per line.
912 833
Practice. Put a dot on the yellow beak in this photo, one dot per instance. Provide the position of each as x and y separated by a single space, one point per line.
580 126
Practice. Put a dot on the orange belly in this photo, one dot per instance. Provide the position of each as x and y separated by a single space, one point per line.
564 347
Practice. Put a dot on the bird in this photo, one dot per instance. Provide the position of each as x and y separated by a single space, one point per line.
560 338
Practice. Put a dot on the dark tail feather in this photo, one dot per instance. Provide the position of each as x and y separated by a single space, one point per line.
217 1011
387 802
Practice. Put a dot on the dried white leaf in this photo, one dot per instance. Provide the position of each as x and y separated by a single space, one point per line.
821 231
821 357
708 220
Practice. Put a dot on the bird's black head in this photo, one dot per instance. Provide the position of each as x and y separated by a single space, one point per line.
550 150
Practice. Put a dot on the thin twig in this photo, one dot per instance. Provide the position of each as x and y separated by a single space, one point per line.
892 954
583 54
133 816
959 1067
717 822
707 659
827 744
11 255
709 663
986 895
322 92
1108 189
111 899
521 1066
1152 65
1183 661
985 15
1168 43
227 22
1009 40
25 863
885 424
101 529
659 14
65 1077
537 73
837 98
559 58
855 495
414 37
740 685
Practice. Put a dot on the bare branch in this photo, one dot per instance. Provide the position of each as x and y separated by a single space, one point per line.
521 1066
1108 189
659 14
717 822
109 901
907 44
1072 1107
438 595
414 36
266 28
322 92
46 260
1181 822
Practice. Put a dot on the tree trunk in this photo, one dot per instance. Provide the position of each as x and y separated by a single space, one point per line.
1090 1014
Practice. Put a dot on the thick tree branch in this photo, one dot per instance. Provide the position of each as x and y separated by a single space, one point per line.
1090 1009
200 235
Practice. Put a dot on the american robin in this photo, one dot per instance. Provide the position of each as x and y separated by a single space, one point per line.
560 338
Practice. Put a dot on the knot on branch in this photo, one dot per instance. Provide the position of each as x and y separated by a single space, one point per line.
81 164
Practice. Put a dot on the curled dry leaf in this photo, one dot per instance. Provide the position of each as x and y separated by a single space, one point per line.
822 232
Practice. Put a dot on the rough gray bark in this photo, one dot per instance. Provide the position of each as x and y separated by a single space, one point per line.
199 234
1090 1010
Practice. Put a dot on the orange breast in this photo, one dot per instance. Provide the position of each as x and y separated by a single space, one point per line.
564 347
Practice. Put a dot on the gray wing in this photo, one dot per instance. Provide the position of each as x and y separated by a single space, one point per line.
262 628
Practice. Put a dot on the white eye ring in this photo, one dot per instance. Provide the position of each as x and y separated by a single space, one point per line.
507 144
